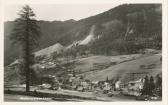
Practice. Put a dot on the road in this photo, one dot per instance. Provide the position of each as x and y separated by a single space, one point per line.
70 96
24 98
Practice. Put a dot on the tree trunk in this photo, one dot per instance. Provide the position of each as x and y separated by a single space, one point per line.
27 53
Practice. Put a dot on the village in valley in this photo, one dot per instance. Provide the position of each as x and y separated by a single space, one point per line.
95 67
69 81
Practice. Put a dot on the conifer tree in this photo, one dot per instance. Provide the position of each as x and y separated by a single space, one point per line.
26 33
145 90
151 85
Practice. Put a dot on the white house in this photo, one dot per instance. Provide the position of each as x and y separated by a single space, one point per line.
136 85
117 84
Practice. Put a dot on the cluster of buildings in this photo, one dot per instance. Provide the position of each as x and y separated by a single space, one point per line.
72 81
78 83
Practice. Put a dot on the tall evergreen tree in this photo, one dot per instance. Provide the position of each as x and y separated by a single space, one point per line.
158 85
107 80
26 33
158 81
151 85
145 90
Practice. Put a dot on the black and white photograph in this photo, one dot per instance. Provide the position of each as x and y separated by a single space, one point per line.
111 52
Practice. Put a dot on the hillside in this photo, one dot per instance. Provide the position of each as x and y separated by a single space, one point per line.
122 70
96 68
124 29
58 48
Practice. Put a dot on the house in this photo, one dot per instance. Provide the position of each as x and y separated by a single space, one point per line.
37 66
86 85
80 88
49 81
149 51
71 78
76 82
119 85
136 85
94 84
107 87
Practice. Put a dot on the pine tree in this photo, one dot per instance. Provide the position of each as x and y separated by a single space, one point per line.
158 85
107 80
26 34
151 85
145 90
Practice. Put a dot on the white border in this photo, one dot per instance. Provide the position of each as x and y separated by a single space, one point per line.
164 50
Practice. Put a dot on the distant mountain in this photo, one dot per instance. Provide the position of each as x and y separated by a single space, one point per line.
124 29
51 32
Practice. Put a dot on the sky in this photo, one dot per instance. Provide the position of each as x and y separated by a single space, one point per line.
61 12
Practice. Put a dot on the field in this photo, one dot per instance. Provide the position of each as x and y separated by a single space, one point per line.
124 65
